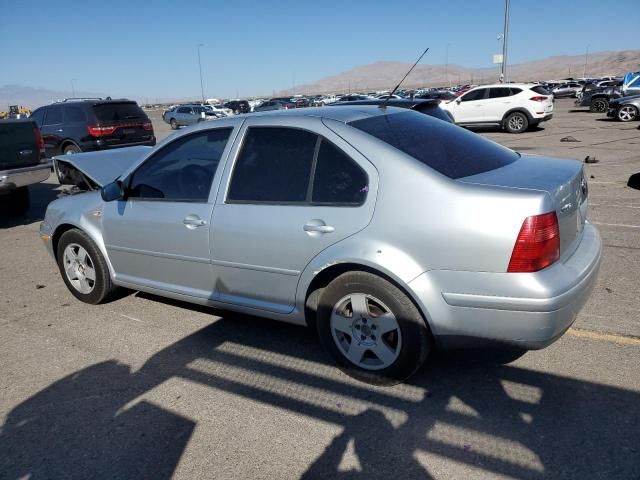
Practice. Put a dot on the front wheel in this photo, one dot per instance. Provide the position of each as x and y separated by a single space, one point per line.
174 124
626 113
83 268
517 122
71 149
371 329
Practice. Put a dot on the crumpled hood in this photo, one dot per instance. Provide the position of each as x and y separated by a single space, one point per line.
104 166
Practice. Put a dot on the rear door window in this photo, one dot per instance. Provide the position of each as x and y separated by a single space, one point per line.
499 92
447 149
273 166
337 178
116 112
74 114
53 116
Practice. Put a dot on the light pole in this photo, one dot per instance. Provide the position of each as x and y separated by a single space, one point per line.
73 89
586 60
505 41
200 67
446 66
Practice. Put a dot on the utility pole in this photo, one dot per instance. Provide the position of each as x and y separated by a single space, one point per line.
586 60
200 67
505 41
73 89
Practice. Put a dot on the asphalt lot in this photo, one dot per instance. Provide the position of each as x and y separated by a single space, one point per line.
148 388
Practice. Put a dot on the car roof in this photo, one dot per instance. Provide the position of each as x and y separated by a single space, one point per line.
342 113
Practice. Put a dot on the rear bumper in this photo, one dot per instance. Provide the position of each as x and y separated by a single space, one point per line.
98 145
527 310
21 177
612 112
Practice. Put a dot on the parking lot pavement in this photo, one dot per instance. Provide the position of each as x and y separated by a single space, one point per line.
145 387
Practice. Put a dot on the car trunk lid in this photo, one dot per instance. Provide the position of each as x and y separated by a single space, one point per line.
562 180
18 144
121 123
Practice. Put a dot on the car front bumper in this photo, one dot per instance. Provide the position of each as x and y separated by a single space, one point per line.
21 177
527 310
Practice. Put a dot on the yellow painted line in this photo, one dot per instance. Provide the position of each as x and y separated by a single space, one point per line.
603 337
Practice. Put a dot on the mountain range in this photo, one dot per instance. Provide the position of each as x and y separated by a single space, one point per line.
386 74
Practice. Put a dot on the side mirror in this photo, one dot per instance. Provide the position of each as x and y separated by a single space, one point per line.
112 191
458 100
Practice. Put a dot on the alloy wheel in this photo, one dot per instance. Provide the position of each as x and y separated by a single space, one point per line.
516 122
79 268
366 331
627 113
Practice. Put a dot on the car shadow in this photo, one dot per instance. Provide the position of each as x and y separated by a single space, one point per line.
40 196
461 409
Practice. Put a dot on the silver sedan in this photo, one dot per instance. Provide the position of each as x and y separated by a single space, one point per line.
390 231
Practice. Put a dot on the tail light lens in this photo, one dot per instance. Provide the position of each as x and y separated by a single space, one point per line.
101 131
538 99
147 126
39 140
538 244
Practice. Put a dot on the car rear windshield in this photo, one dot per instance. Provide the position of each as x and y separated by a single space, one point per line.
446 148
114 112
540 90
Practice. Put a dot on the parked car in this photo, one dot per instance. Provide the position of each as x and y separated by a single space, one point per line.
388 230
274 105
625 109
567 90
22 163
445 95
85 125
597 98
238 106
183 115
514 106
428 107
219 111
351 98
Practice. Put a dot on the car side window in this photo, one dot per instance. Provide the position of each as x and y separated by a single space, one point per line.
53 116
474 95
37 117
499 92
337 178
182 170
183 110
73 114
273 166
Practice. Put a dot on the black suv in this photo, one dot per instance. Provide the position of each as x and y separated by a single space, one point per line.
85 125
238 106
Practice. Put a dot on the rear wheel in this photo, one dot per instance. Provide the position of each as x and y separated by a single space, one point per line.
371 329
174 124
516 122
83 268
71 149
626 113
599 105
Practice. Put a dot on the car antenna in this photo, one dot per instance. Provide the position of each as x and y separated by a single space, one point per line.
384 104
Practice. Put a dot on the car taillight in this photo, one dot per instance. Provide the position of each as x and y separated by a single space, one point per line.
538 99
147 126
39 140
101 131
537 245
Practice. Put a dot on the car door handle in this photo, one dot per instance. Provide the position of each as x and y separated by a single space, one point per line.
193 221
312 227
60 130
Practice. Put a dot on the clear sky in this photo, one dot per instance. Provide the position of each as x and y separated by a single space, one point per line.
149 48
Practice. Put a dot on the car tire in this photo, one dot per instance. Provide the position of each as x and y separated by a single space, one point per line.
174 124
599 105
516 122
77 255
19 201
71 149
627 113
393 340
